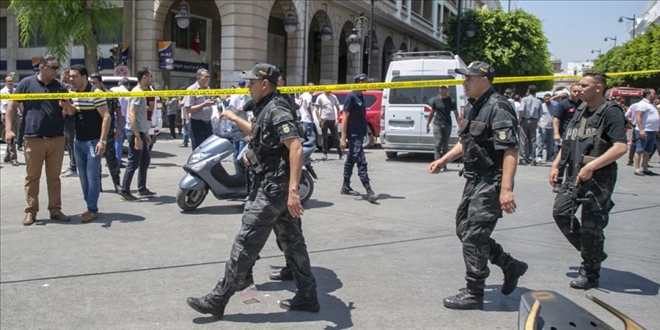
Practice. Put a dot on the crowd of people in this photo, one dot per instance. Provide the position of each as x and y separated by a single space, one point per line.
495 136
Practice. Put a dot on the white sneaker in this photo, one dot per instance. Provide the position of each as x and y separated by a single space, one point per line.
69 173
539 160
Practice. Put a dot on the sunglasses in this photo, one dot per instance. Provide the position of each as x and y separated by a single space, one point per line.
53 67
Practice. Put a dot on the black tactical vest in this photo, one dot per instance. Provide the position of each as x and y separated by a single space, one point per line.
476 136
585 136
271 153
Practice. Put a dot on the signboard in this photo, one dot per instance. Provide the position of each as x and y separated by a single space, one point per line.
183 66
35 63
166 55
122 71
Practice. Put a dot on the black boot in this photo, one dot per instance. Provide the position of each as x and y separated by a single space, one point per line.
212 304
589 274
465 300
347 190
301 304
371 195
283 274
514 270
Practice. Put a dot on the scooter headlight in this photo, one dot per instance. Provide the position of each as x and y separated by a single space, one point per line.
196 157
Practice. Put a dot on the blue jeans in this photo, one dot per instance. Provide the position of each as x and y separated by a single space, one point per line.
238 146
119 145
186 134
546 141
88 171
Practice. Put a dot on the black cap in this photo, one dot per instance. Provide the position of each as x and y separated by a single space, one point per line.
478 68
362 77
263 71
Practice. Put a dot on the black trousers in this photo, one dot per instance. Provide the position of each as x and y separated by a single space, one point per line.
171 121
266 211
111 159
476 218
587 235
138 160
69 137
199 131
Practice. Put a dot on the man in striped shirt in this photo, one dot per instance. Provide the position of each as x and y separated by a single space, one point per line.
92 125
199 108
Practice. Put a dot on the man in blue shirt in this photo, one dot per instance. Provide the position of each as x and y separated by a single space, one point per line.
353 130
44 138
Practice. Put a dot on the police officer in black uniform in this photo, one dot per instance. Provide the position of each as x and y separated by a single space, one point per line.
594 140
489 146
274 158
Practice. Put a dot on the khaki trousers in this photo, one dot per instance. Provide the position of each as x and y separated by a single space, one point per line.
37 152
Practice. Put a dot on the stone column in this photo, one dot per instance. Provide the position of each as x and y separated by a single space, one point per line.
11 52
148 30
244 36
329 61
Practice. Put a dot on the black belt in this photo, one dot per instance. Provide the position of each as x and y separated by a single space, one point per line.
42 137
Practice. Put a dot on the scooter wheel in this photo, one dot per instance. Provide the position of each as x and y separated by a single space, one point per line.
189 200
305 187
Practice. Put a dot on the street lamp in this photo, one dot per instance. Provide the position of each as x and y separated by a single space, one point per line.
354 40
183 15
326 32
596 51
610 38
471 30
633 19
290 20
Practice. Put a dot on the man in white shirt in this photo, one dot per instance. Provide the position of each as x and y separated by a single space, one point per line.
123 86
236 104
305 109
648 124
11 156
327 109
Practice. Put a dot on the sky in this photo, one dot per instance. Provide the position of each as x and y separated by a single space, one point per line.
575 28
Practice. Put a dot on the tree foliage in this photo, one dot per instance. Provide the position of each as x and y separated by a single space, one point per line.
64 21
513 43
641 53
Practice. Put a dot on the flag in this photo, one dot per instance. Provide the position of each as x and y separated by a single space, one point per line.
194 43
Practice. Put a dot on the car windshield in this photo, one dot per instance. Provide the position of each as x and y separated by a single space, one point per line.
418 95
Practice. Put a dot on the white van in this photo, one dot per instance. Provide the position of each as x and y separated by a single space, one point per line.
156 116
404 111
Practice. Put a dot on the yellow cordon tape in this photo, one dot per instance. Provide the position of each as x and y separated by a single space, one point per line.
298 89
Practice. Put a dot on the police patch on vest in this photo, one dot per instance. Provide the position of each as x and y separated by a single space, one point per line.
286 129
502 136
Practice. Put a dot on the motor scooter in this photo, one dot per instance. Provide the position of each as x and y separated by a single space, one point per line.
205 172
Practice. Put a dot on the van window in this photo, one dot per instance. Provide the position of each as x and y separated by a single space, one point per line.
418 95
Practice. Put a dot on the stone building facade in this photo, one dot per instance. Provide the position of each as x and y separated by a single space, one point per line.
234 34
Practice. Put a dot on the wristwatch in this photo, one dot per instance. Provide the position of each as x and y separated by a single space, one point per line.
103 141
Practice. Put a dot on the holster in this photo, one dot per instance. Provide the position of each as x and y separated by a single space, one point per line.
253 162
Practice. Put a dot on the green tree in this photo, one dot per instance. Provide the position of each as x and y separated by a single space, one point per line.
513 43
641 53
64 21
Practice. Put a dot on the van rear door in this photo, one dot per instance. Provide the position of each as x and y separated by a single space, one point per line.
409 110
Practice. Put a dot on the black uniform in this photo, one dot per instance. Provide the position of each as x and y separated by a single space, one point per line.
490 128
591 134
110 153
266 210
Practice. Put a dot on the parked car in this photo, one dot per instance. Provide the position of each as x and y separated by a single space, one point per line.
372 100
156 117
405 111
